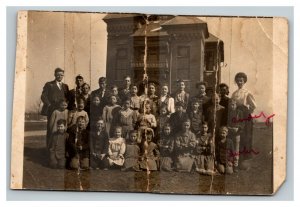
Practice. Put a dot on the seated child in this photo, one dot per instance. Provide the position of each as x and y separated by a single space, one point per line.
235 129
150 152
132 153
78 145
60 113
224 163
185 143
204 160
98 145
58 144
116 149
166 146
73 115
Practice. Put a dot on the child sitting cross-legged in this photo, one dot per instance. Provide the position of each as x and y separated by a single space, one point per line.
166 146
132 153
98 145
116 150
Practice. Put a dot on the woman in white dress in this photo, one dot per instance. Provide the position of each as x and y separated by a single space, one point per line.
246 102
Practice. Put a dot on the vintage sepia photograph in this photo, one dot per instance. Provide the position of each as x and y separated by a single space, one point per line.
150 103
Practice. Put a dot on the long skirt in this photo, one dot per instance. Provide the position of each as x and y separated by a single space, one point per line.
204 164
184 163
131 163
166 163
149 164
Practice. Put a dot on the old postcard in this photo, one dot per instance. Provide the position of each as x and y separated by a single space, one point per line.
150 103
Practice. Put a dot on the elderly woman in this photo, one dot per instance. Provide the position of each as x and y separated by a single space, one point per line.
246 102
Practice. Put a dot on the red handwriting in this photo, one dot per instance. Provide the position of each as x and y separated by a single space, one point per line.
245 151
250 117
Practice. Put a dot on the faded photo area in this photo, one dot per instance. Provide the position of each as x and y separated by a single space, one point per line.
150 103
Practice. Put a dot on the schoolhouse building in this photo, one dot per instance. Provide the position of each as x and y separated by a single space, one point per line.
176 47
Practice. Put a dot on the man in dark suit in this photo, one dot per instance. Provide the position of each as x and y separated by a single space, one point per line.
101 92
124 93
53 92
75 93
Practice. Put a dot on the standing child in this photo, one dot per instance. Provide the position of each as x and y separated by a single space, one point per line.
146 119
126 118
204 160
224 99
110 113
61 113
132 153
216 116
78 145
202 97
73 115
98 145
150 152
85 95
185 143
195 115
135 103
116 149
178 117
166 146
163 117
224 162
95 111
115 92
58 145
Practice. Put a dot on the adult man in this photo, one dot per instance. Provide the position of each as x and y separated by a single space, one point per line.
53 92
75 93
101 92
124 92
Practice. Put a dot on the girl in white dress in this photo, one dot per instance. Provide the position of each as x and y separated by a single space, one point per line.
116 149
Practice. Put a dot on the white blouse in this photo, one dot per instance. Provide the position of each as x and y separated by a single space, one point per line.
244 97
170 104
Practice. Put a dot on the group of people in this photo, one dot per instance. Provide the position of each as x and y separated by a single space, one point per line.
129 129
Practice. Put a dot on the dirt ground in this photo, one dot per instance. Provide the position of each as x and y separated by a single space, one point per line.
257 180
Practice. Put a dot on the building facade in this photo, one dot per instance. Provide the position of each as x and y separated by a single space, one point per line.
176 47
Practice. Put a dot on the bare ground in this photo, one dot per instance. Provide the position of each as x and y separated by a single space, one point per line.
258 180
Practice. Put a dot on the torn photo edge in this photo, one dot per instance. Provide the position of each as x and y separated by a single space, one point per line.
280 82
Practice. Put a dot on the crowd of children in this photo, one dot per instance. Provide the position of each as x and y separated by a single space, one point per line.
127 129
